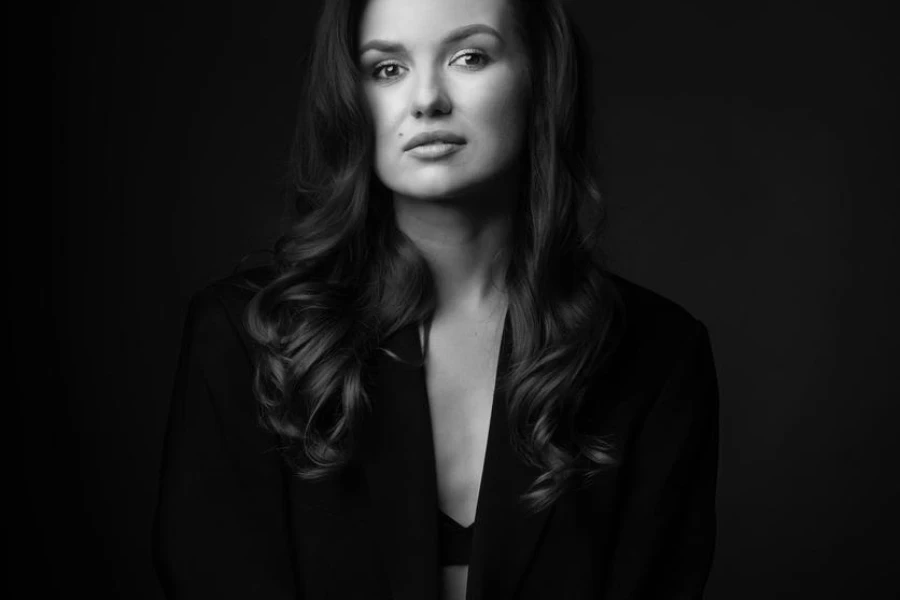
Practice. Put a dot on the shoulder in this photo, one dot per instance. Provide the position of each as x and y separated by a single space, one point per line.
648 314
237 288
661 363
655 332
216 311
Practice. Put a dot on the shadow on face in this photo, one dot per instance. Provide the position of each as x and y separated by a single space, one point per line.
446 82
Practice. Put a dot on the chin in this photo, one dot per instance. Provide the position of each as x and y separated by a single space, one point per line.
435 190
446 184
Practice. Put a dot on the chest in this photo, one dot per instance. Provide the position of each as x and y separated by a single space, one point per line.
461 359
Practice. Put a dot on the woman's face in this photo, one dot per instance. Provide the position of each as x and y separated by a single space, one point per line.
455 67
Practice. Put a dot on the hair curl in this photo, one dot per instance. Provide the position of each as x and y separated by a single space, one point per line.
347 277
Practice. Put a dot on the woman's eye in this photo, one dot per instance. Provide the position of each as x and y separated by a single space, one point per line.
471 60
386 71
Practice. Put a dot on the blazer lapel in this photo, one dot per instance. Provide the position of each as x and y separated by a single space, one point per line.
505 534
400 470
400 473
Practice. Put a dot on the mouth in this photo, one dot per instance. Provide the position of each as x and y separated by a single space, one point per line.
431 138
434 150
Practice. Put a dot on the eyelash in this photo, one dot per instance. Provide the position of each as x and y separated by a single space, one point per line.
481 55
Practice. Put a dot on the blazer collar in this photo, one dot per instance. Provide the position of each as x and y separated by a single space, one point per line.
402 482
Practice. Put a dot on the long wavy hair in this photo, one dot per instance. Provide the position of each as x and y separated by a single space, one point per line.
347 278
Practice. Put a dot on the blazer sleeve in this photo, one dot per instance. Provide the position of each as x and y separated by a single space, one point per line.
220 528
668 525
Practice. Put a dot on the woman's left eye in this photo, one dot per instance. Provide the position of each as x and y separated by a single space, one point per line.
471 59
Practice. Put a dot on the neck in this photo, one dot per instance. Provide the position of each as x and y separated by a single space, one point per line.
465 242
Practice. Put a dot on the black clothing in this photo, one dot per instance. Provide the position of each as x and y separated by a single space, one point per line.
454 540
233 523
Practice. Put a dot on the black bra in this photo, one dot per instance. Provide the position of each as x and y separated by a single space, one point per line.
454 541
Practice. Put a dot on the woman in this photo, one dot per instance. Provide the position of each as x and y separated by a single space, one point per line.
437 391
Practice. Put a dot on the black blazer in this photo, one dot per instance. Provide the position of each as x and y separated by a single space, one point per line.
232 522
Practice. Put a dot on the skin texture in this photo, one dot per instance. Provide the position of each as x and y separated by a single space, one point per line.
473 87
455 209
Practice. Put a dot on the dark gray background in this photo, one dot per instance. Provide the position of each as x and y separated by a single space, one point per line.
750 170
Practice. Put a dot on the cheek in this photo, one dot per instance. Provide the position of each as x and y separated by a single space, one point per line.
380 117
501 111
386 117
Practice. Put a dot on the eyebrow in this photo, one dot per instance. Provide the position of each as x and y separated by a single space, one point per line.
454 36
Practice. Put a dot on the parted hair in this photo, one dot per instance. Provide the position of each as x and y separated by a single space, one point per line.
347 278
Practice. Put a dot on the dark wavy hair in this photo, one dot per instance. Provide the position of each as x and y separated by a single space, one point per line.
347 277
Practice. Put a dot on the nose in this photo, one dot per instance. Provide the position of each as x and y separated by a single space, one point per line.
430 97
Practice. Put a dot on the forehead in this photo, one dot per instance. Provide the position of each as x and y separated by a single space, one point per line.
424 21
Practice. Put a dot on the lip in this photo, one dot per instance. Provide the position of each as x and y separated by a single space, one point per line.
428 137
434 150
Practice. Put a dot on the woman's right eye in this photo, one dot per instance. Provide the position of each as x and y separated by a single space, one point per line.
388 70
